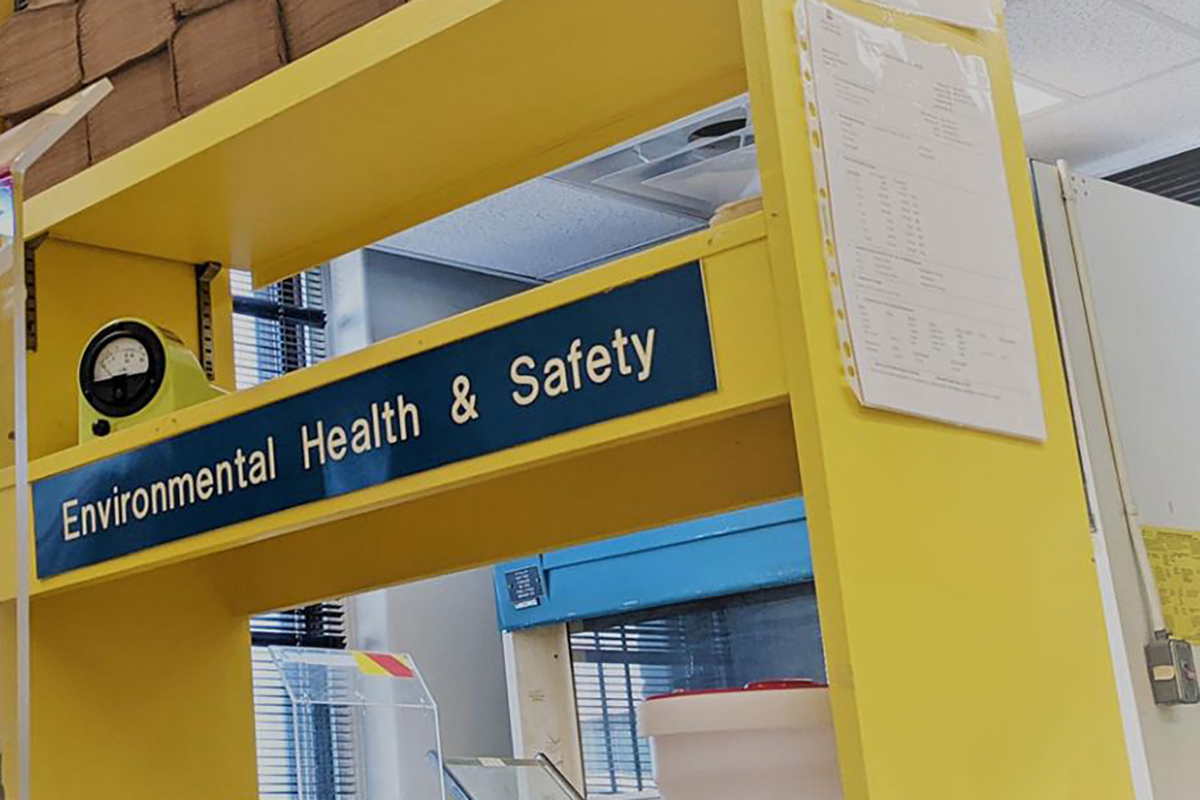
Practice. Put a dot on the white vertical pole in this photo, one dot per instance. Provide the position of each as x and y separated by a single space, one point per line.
21 463
21 446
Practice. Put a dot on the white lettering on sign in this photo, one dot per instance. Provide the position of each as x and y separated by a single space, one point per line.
179 491
561 375
386 424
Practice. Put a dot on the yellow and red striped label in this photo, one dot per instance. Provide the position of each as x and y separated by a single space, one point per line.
394 665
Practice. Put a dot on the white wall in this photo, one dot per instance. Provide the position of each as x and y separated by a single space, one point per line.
405 293
377 295
448 624
1143 261
541 697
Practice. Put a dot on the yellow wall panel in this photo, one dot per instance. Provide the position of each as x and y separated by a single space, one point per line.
141 690
79 289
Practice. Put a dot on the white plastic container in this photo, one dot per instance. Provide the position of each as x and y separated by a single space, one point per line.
769 741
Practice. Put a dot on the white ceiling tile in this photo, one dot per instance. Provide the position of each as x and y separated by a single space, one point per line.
1087 47
1130 126
1185 11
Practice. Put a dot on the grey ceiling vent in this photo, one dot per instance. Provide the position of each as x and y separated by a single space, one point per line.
693 166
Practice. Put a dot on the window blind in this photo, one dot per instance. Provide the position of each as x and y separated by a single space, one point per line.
278 330
619 662
1177 177
325 749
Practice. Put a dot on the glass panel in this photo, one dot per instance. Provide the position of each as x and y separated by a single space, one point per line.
334 691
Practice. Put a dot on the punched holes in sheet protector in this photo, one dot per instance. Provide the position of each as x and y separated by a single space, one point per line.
845 350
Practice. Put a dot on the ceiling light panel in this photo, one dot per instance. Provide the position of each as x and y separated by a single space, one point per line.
1031 99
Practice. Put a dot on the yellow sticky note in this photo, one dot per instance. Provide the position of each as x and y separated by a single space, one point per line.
1175 555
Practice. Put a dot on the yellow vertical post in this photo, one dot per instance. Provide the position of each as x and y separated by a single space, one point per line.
962 619
142 690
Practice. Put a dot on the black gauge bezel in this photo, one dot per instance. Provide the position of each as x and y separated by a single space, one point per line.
158 367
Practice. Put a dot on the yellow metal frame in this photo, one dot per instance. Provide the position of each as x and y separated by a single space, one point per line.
959 604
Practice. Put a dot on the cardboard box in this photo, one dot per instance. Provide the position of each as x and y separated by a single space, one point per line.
113 33
188 8
39 58
220 51
142 102
309 24
67 158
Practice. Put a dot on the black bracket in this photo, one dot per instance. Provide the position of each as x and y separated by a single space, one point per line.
31 327
205 273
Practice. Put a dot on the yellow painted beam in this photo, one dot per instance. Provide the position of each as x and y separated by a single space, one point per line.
594 494
434 105
738 280
954 568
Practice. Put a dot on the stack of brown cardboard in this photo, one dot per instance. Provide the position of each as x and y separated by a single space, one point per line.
220 51
166 59
113 33
66 158
188 8
309 24
39 64
142 102
39 59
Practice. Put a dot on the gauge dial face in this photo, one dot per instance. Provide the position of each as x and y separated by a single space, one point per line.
124 356
123 368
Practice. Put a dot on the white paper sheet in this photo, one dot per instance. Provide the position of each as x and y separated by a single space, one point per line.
921 240
968 13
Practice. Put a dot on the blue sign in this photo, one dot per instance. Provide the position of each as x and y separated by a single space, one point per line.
525 587
636 347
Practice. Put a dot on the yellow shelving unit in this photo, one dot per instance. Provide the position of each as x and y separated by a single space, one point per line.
959 603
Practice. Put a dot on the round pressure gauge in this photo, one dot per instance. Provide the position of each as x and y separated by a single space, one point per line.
122 368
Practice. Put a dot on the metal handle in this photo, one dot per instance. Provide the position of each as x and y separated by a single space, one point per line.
558 777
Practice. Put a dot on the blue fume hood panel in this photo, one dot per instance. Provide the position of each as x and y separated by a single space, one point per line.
757 548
